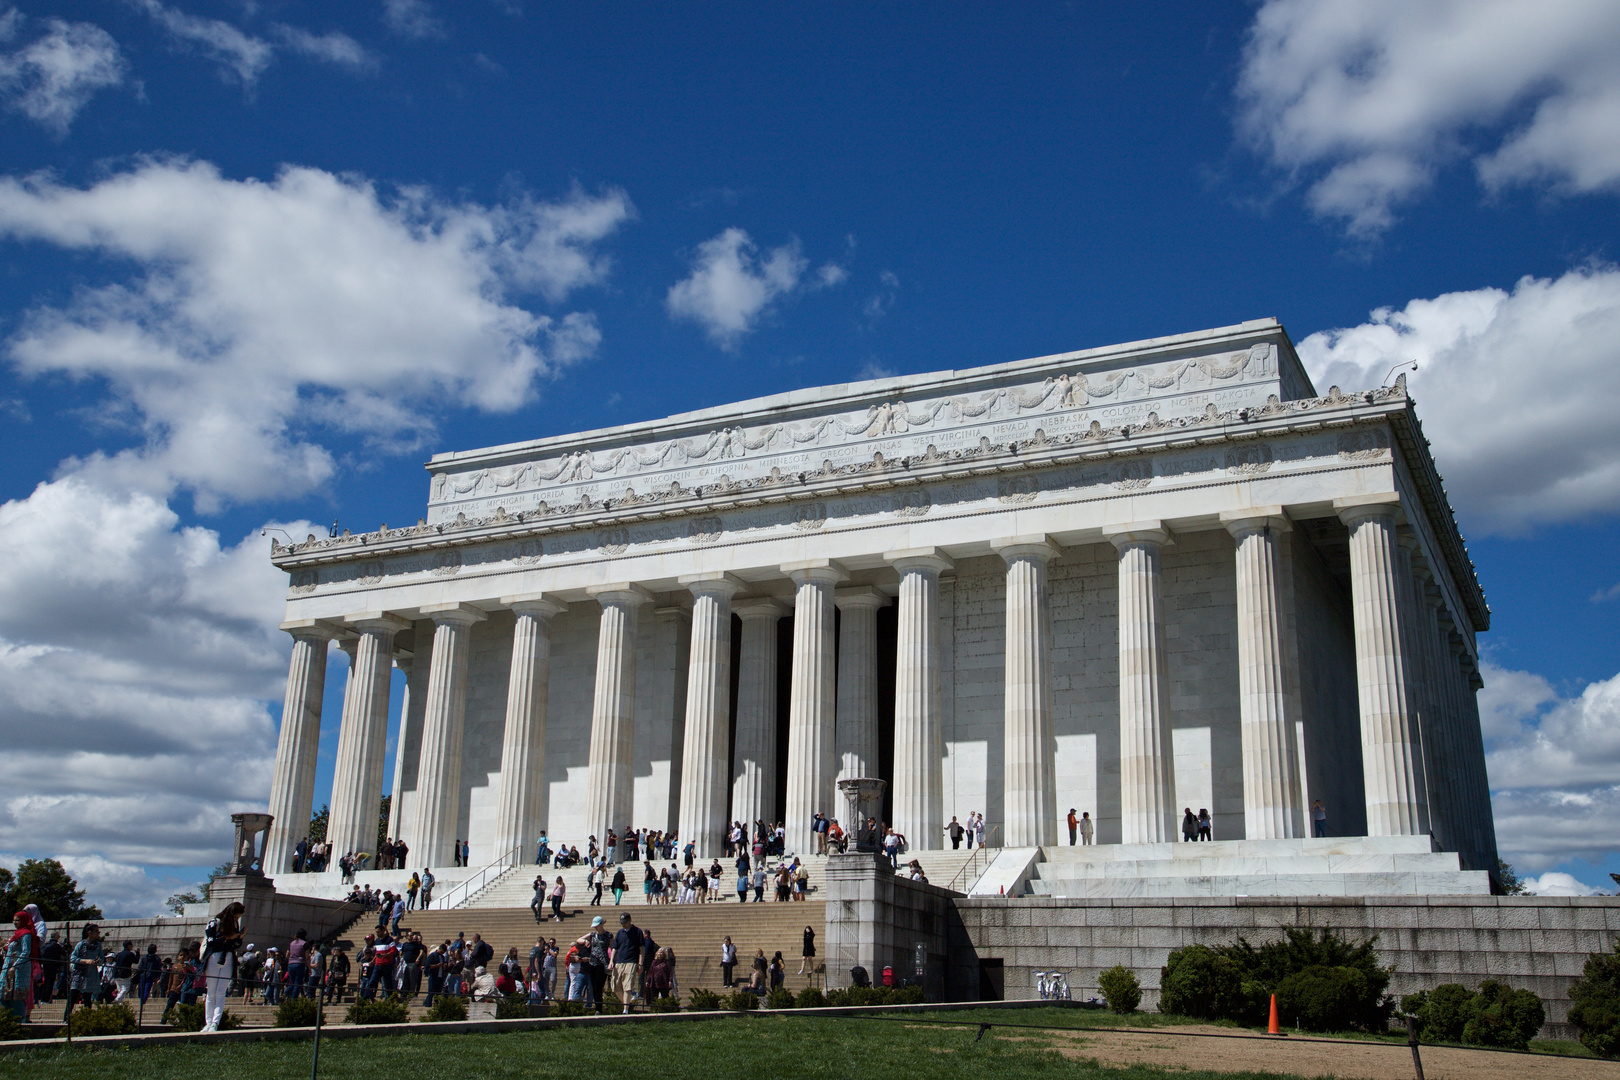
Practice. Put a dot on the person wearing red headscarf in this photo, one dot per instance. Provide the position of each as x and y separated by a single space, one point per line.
17 974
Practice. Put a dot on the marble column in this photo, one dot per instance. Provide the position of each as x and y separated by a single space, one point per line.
610 794
811 702
1439 753
919 728
363 738
1029 782
1483 816
855 738
396 802
1391 758
523 743
1271 788
753 783
706 744
438 771
292 790
1146 791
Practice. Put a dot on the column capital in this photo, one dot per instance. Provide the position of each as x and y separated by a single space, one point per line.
759 607
712 584
457 614
919 558
1432 595
1255 519
677 610
316 630
1137 532
539 605
821 571
619 592
860 596
1037 546
1357 508
377 621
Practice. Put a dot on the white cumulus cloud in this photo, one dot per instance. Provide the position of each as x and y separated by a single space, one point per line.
50 79
1553 883
1367 99
263 312
1515 390
733 285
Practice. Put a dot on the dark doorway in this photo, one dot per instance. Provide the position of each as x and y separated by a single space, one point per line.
992 984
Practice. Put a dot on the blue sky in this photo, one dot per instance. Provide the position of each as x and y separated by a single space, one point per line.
258 260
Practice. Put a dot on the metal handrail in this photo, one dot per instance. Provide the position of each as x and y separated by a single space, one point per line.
476 883
981 852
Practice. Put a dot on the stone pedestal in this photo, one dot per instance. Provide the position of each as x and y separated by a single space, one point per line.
863 799
876 919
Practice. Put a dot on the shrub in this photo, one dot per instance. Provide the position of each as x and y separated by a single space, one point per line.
705 1001
1502 1016
780 997
1595 1003
389 1010
570 1008
1442 1012
1323 998
741 1001
908 995
811 998
194 1017
296 1012
1120 989
10 1029
110 1020
446 1009
664 1005
1202 982
838 998
512 1007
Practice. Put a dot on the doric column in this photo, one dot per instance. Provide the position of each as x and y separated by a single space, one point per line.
609 795
855 739
753 784
396 802
438 772
1271 789
292 791
919 729
363 738
1147 814
706 746
1439 753
1391 759
523 743
1484 817
811 766
1030 769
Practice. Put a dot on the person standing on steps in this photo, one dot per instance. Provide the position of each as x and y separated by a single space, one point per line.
807 965
956 832
1074 827
223 941
619 885
538 903
1189 826
594 883
728 962
427 887
1087 830
466 853
1318 819
558 891
627 958
455 851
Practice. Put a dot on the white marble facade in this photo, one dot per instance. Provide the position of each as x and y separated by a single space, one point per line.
1128 580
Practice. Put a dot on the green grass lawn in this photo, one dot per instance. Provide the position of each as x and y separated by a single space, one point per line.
778 1047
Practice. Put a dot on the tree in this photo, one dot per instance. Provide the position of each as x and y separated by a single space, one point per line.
1616 878
47 883
8 890
1507 880
383 809
317 824
197 894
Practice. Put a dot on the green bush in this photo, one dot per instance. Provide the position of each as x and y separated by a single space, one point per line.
1202 982
838 998
811 998
1323 998
1120 989
446 1010
664 1004
193 1017
110 1020
780 997
705 1001
1441 1012
1502 1016
741 1001
570 1008
512 1007
296 1012
11 1029
389 1010
1595 1003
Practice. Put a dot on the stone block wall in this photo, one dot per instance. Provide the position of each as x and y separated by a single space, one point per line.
876 919
1537 943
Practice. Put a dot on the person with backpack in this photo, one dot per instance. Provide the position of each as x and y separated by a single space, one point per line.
123 971
149 973
222 940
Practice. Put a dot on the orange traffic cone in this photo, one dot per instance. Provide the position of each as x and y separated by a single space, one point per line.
1274 1028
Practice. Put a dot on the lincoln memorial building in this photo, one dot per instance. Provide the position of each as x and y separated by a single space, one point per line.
1129 580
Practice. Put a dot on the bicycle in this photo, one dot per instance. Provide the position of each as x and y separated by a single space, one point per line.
1052 986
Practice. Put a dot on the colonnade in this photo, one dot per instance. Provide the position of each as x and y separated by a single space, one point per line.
1413 691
